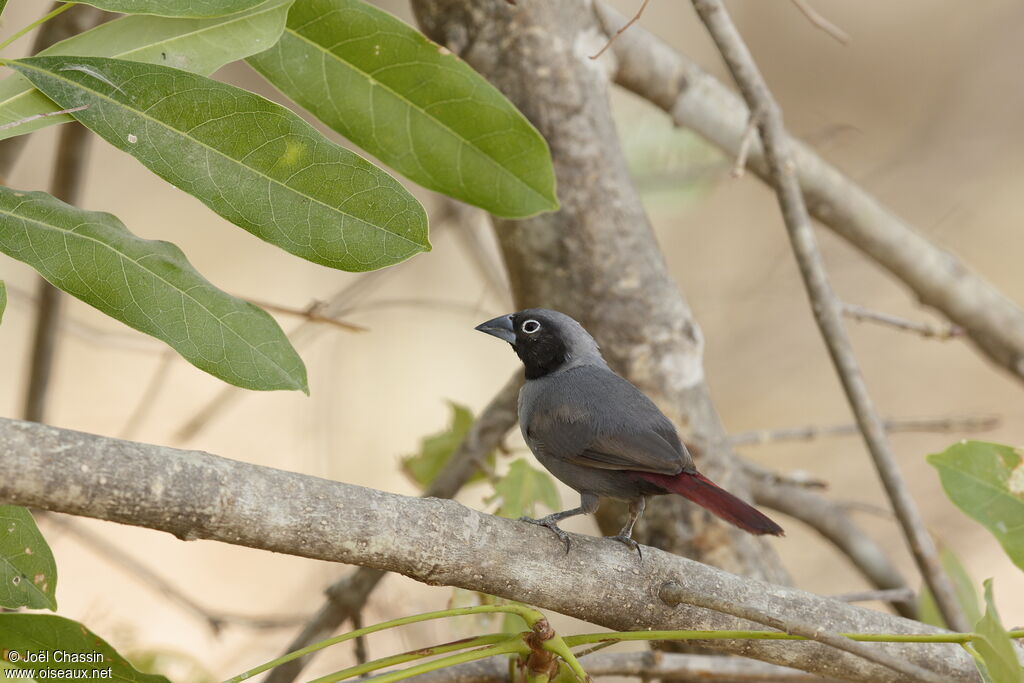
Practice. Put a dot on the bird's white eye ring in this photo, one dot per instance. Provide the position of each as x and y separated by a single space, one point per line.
530 326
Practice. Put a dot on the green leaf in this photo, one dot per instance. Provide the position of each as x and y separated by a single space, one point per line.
436 450
28 574
252 161
150 286
986 481
3 299
412 104
198 45
994 646
47 633
963 587
173 8
522 487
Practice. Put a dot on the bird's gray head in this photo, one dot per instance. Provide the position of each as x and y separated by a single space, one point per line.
545 340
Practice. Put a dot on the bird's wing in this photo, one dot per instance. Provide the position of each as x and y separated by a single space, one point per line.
597 419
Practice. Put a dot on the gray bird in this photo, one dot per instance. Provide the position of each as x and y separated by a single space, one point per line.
598 433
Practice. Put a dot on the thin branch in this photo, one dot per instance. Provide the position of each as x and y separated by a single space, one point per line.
196 495
693 98
686 668
740 165
943 425
943 333
675 593
832 521
625 27
821 22
824 303
905 595
113 554
314 313
347 596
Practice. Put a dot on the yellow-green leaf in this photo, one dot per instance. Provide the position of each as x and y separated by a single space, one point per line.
997 652
436 450
173 8
522 487
963 587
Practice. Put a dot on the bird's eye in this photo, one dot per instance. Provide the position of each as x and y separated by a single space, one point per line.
530 326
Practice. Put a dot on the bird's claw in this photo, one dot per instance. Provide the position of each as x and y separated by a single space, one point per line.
630 543
553 525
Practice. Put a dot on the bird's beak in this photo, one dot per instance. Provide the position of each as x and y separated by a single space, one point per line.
500 327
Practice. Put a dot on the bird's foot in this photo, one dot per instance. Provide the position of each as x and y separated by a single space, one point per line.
552 524
630 543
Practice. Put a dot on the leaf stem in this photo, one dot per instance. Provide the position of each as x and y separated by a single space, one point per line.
531 616
37 22
463 644
510 645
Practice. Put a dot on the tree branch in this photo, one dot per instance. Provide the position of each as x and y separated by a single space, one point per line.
695 99
824 303
439 542
347 596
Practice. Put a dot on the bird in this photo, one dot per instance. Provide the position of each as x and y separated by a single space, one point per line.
598 433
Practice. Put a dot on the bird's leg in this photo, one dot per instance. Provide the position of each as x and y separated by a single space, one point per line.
636 508
588 505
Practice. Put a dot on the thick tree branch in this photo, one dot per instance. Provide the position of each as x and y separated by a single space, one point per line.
439 542
347 596
824 303
695 99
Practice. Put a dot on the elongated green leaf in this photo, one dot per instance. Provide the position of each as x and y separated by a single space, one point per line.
150 286
522 487
963 586
28 574
173 8
995 647
436 450
198 45
254 162
986 480
3 299
412 104
47 633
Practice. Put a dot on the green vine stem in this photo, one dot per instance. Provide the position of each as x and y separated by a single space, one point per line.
515 644
462 644
587 638
530 615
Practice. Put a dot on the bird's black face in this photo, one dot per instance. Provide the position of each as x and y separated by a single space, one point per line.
535 339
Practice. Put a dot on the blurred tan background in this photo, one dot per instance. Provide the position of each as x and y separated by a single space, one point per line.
924 107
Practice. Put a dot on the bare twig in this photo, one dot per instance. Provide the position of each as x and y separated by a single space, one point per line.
27 119
113 554
646 665
888 595
66 185
347 596
936 278
821 22
861 314
636 18
314 313
740 166
832 521
795 478
197 495
824 303
943 425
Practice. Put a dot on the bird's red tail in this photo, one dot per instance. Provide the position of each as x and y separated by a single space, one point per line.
704 492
